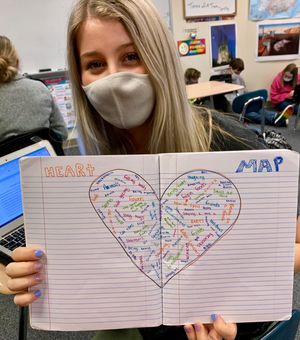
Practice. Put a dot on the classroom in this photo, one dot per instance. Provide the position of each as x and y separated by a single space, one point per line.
192 171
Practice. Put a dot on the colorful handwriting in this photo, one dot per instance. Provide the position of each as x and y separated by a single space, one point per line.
162 236
79 170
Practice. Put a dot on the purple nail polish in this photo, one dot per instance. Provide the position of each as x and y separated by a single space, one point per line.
187 328
38 278
37 293
197 327
214 317
38 253
38 266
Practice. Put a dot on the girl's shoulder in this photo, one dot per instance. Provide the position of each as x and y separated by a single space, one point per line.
230 134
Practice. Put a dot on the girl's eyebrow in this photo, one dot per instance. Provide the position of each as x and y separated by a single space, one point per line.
96 53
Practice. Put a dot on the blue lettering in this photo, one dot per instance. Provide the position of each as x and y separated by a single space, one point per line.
244 164
277 160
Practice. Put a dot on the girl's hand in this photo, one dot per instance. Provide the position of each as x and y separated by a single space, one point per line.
24 273
218 330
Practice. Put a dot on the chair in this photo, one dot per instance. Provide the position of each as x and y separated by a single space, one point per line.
14 143
227 78
253 101
297 117
284 329
219 101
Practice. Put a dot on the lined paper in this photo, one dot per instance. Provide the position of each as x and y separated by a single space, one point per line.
90 282
247 274
136 241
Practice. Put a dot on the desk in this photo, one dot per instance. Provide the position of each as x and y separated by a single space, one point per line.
210 88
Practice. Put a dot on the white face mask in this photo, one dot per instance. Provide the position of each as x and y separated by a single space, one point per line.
287 79
123 99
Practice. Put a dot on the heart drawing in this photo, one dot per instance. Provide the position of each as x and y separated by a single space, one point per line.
164 235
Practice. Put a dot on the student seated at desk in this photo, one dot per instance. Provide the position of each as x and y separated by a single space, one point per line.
191 76
25 104
273 118
111 45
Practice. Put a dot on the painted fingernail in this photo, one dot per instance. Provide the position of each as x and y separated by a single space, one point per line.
197 327
187 328
37 293
214 317
38 278
38 266
38 253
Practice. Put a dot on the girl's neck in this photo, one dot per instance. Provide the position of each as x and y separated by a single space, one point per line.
140 137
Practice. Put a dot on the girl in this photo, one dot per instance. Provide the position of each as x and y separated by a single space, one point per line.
282 87
26 104
130 97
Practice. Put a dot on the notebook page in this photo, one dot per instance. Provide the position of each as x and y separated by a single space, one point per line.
89 215
234 252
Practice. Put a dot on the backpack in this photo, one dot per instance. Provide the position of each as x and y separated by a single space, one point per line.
275 140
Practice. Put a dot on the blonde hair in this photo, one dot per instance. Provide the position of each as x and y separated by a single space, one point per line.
175 128
9 61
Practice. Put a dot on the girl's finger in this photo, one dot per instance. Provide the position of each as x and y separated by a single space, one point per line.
214 335
26 298
20 269
26 254
190 332
226 330
23 283
201 331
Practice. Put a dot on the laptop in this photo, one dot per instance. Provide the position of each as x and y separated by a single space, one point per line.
11 212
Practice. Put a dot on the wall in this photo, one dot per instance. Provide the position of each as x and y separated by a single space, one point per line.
256 74
38 29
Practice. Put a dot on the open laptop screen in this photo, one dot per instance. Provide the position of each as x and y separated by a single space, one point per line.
10 188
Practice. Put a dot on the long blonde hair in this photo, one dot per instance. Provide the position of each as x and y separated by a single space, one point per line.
9 61
174 126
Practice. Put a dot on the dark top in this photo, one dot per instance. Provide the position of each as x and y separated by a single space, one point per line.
244 139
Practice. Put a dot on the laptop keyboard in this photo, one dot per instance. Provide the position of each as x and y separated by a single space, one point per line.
14 240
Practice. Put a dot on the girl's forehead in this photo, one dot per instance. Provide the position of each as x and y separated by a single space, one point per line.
97 33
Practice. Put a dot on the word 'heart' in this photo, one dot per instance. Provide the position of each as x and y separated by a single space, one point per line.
162 236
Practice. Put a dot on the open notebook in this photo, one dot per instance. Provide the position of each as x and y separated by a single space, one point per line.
141 240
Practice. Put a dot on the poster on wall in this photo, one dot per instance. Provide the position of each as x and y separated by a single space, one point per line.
277 40
191 47
273 9
223 45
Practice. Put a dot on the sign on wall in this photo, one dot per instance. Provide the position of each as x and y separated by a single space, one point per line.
191 47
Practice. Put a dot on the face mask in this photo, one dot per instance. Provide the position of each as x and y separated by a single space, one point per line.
124 99
287 79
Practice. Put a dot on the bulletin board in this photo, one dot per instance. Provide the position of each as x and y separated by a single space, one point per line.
200 8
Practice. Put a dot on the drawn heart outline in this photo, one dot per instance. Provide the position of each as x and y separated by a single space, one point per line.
167 234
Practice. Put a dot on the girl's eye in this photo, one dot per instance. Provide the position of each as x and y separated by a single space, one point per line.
132 57
95 65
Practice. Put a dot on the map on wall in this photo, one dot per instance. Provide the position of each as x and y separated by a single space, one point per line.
273 9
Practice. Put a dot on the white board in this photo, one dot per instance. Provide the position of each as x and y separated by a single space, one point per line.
201 8
164 8
38 29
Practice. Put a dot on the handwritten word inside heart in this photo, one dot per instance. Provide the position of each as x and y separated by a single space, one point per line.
162 236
